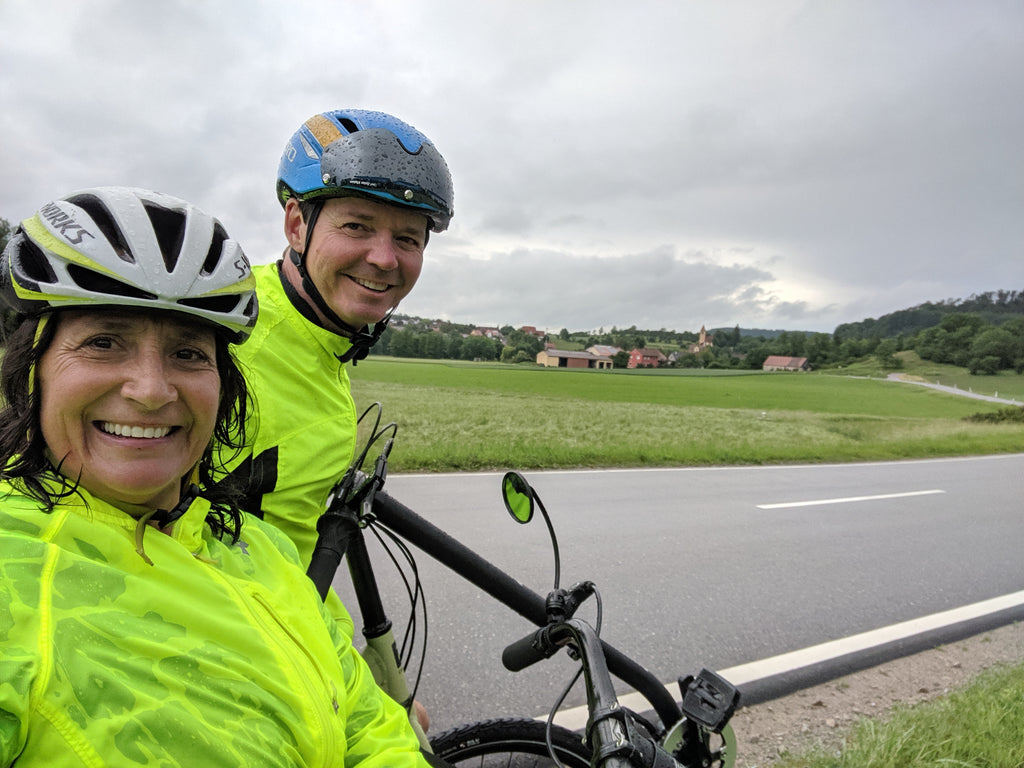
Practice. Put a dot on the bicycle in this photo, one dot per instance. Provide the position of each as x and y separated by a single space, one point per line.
358 503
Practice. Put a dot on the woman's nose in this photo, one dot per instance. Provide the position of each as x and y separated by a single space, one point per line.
147 382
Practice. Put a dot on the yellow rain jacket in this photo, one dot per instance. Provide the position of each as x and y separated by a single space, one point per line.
303 432
215 655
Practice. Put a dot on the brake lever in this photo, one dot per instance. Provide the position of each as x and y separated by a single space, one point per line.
373 484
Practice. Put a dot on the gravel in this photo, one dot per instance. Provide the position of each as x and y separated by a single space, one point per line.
823 715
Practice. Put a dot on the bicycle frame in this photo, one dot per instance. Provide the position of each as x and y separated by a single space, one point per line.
451 553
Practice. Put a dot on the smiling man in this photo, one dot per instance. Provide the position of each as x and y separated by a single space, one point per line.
361 193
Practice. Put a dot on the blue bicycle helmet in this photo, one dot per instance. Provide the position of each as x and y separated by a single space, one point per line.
356 151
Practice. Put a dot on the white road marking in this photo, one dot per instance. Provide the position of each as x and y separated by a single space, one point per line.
847 499
576 718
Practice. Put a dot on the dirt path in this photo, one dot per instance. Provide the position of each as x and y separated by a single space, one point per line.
823 714
907 378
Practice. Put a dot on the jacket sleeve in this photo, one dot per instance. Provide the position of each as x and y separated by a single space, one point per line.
19 628
14 702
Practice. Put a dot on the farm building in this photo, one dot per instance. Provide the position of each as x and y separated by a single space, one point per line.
781 363
560 358
646 358
604 350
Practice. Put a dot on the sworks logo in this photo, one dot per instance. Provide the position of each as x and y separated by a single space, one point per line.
65 225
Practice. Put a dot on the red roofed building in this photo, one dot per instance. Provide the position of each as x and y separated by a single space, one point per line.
646 358
780 363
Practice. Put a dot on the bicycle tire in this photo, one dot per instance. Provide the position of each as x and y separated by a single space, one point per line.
509 743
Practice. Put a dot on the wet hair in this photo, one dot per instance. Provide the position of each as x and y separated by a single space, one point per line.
23 456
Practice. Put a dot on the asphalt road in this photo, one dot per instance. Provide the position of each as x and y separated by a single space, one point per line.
707 567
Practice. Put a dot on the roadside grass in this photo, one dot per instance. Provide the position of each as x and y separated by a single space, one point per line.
459 417
978 726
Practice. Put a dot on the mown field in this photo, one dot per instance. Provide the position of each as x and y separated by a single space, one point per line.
466 416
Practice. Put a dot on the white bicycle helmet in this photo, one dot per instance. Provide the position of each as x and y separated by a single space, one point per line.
123 246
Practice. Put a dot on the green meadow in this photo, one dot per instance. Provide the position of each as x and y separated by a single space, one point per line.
470 416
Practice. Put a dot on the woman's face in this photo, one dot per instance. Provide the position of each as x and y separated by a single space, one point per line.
128 402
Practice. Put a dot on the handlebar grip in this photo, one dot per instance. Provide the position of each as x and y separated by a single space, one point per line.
526 651
322 567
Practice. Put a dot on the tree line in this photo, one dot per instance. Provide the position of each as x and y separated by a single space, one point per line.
983 333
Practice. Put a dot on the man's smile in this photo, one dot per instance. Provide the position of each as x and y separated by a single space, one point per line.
371 284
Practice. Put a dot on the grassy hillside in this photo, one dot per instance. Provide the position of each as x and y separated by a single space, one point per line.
464 416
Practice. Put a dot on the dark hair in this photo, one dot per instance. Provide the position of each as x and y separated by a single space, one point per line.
23 450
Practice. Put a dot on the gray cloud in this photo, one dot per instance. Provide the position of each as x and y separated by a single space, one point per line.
769 164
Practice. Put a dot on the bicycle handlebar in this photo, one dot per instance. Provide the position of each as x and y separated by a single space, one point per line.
616 740
465 562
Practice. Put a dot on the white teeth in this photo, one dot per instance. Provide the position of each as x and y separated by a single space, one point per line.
127 431
371 285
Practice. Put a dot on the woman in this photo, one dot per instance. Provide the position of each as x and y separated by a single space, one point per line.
143 621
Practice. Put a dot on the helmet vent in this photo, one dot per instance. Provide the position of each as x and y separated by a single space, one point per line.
216 248
96 282
33 264
169 227
226 303
348 124
105 221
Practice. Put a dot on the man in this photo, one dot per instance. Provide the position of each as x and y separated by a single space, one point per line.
361 193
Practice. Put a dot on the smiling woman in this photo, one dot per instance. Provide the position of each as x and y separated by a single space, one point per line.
143 617
128 403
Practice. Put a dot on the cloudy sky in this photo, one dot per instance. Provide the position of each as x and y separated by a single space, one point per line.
767 163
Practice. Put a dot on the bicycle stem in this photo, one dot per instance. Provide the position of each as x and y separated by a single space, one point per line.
614 738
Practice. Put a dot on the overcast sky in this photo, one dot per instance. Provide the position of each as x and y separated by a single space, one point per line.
764 163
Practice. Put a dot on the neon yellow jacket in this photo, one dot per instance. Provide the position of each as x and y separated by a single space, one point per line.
305 419
215 655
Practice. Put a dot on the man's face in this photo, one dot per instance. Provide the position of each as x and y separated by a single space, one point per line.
364 257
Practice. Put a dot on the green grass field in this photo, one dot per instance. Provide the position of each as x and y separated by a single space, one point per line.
466 416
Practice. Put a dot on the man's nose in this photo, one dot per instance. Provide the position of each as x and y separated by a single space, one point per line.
383 252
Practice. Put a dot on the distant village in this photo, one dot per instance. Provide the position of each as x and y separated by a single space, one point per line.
983 333
604 356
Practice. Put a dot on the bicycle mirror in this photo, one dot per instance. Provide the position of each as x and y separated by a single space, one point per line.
518 496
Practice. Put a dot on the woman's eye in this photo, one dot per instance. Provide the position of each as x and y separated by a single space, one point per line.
99 342
192 355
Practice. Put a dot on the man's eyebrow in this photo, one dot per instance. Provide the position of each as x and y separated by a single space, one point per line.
372 217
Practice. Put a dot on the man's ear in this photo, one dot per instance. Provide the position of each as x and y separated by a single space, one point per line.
294 225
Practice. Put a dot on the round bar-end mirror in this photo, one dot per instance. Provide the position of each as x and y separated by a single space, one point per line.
518 496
